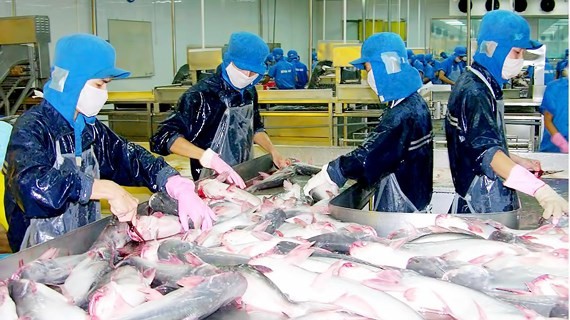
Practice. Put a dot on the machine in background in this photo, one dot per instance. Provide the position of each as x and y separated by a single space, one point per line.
24 59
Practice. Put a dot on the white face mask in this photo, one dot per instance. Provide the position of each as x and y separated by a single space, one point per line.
91 100
372 81
237 78
511 68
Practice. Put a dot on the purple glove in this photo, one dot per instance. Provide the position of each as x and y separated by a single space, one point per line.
212 160
559 141
190 206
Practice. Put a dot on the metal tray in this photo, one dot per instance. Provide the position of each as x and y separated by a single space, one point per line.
348 206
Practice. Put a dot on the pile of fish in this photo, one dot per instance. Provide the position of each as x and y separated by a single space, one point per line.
276 257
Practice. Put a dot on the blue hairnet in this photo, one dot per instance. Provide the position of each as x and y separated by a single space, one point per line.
247 51
269 58
78 58
443 55
460 51
395 77
278 54
428 57
500 31
292 54
420 57
410 53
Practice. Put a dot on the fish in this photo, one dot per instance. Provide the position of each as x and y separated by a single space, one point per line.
305 169
115 235
274 180
36 301
187 251
53 271
162 202
155 226
302 285
194 302
169 275
86 274
263 295
430 296
338 241
7 305
214 189
546 306
123 289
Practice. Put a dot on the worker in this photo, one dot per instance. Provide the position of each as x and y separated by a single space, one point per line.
424 68
485 175
301 71
314 57
554 107
283 72
414 62
432 65
61 159
443 55
269 60
397 156
217 120
561 65
452 67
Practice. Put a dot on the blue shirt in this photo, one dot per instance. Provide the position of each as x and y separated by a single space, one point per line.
284 74
555 101
452 69
301 72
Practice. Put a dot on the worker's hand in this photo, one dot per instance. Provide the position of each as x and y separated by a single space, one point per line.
552 203
323 181
122 204
559 141
190 206
530 164
212 160
280 161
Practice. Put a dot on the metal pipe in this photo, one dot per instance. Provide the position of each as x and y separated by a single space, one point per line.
260 20
274 18
203 26
93 16
390 15
374 17
469 32
173 35
363 20
310 52
419 21
344 21
13 7
324 19
399 17
407 22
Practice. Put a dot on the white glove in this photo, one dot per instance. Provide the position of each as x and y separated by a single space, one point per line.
553 204
322 181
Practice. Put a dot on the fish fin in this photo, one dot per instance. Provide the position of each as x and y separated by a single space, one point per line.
261 226
190 282
333 270
300 253
385 280
260 268
173 260
355 303
148 275
193 259
262 235
480 259
202 237
396 244
158 214
151 294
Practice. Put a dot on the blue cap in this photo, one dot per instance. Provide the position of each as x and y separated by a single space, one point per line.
420 57
443 55
460 51
247 51
410 53
428 57
507 29
292 54
395 77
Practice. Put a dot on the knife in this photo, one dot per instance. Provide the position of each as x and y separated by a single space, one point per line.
541 173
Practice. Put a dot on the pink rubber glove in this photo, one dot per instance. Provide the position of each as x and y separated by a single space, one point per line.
523 180
190 206
212 160
560 142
